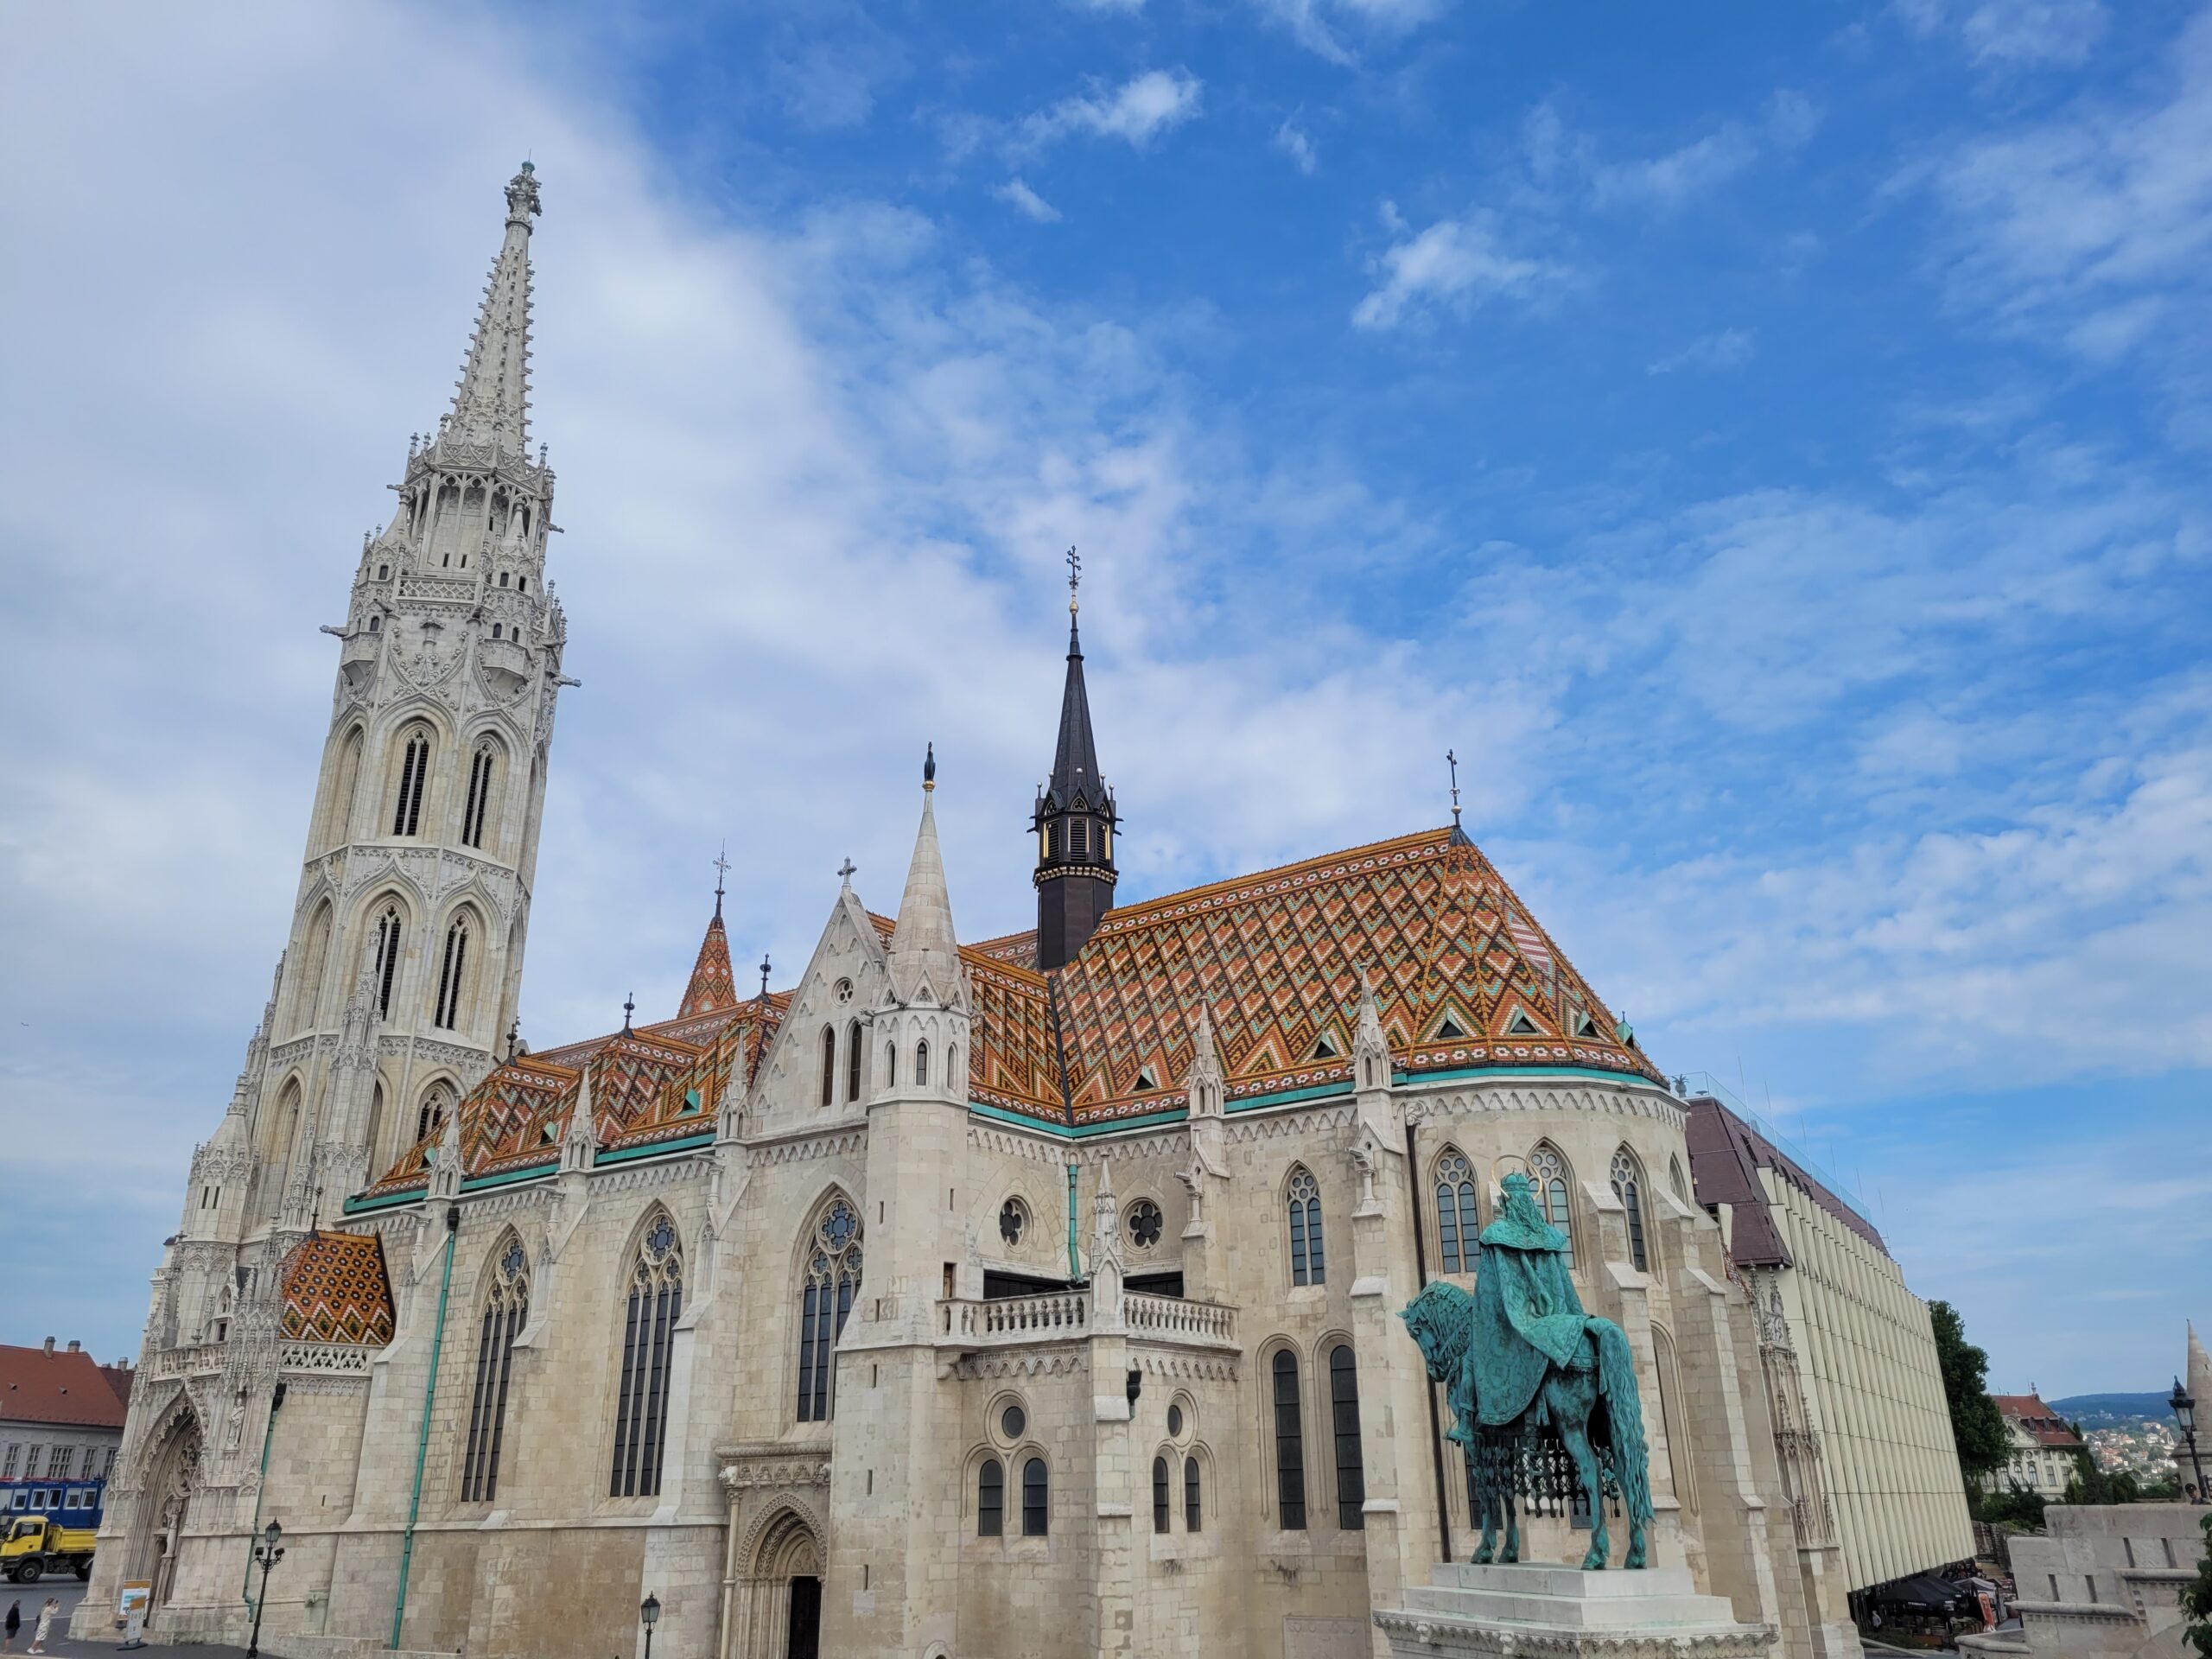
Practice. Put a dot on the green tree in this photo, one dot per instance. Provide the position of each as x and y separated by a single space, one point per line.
1985 1445
2197 1599
2015 1507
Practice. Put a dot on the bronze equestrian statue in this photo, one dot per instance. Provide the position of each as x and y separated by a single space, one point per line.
1520 1353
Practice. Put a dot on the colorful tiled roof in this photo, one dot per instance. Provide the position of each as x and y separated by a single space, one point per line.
64 1386
713 987
335 1290
1464 976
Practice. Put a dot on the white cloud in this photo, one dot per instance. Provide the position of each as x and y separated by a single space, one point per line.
1291 139
1136 112
1320 26
1024 200
2013 33
1730 348
1455 262
1667 182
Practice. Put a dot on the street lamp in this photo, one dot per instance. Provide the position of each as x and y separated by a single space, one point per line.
648 1611
2184 1410
268 1554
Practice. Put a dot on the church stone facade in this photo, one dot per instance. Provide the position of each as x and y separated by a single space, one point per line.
1032 1296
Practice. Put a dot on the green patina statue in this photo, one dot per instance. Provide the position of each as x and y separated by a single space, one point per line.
1520 1354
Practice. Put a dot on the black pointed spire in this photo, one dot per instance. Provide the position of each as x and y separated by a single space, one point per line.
1074 818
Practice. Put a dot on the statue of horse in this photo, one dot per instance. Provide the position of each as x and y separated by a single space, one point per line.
1519 1353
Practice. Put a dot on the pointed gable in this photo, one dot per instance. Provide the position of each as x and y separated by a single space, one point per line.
712 986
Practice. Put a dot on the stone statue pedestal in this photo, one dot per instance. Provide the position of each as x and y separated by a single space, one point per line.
1536 1611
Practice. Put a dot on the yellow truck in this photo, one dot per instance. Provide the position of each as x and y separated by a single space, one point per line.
36 1545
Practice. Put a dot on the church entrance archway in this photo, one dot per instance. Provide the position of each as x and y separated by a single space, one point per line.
172 1470
779 1589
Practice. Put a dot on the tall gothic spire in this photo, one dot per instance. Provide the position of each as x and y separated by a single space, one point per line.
1074 820
924 952
490 404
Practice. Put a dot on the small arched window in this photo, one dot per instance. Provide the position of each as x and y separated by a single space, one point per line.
503 577
890 1064
376 625
1548 1170
1304 1205
990 1499
1343 1413
1193 1509
384 963
1161 1506
522 583
833 1280
430 1117
452 968
1036 1499
479 794
829 1066
1458 1230
1290 1444
505 1310
1079 837
921 1065
1675 1179
498 631
383 573
853 1053
1628 1187
648 1337
414 777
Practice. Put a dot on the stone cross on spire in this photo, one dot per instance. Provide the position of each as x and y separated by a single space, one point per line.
491 402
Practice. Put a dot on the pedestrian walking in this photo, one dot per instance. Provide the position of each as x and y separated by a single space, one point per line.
15 1623
45 1624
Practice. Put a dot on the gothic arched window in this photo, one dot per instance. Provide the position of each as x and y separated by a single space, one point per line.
1548 1170
506 1310
480 795
414 775
921 1065
828 1065
1304 1204
833 1280
853 1054
1193 1510
1160 1505
1290 1444
1628 1187
1036 1505
385 961
430 1119
1675 1179
648 1335
890 1064
990 1499
1343 1414
452 970
1458 1228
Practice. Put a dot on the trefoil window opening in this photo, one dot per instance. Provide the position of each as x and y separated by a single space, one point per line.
648 1336
1306 1258
833 1280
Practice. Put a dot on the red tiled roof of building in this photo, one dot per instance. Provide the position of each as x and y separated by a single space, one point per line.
335 1290
2037 1419
59 1386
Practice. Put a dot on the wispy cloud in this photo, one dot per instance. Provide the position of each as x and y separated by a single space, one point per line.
1024 200
1455 263
1136 112
1331 28
1292 140
2011 33
1730 348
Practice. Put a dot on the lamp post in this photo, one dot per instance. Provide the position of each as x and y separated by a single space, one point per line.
648 1611
268 1554
2184 1410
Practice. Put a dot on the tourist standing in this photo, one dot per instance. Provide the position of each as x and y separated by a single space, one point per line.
45 1624
15 1623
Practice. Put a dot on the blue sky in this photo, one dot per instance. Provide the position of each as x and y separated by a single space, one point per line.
1767 443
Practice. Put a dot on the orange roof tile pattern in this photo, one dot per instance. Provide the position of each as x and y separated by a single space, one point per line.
713 987
335 1290
40 1385
1462 975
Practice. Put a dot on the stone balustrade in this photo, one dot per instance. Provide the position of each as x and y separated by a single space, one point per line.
1176 1320
1062 1315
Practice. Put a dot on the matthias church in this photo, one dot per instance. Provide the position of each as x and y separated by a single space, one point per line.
1023 1296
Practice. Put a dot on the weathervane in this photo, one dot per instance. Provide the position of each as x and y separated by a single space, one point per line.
764 975
629 1003
1075 577
721 869
1454 761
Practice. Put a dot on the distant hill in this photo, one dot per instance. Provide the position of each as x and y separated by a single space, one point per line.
2112 1410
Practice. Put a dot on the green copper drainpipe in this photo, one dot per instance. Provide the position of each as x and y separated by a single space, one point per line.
276 1405
422 1442
1067 1110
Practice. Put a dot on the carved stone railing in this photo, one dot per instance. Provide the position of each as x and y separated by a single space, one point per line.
343 1358
1173 1319
185 1362
454 591
1055 1316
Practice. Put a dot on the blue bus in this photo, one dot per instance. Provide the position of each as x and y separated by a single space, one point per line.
66 1503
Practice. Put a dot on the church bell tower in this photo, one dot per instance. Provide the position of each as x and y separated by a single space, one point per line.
1074 821
397 989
